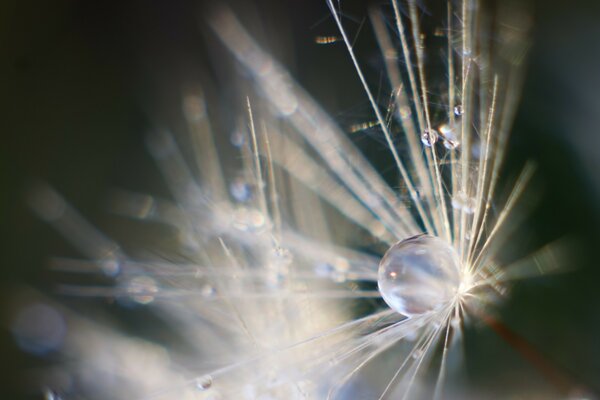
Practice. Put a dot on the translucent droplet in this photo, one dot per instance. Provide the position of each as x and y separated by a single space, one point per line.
50 394
240 190
194 108
447 133
204 382
238 139
39 329
324 269
429 137
458 110
248 220
417 353
208 291
419 275
404 112
281 257
142 289
461 201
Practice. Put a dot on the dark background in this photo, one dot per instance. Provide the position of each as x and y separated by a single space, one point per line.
83 82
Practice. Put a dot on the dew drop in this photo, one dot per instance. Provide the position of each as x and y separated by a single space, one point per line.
248 220
204 382
240 190
447 133
418 275
208 291
50 394
324 269
463 202
417 353
458 110
238 139
404 112
142 289
429 137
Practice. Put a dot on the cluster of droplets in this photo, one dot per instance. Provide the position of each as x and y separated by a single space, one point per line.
445 132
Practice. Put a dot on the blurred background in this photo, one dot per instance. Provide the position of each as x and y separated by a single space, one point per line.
82 83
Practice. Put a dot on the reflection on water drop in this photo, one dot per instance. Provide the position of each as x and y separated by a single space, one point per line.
419 275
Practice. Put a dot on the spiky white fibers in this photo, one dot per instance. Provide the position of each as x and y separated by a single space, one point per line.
261 295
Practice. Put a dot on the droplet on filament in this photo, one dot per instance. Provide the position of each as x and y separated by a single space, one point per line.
419 275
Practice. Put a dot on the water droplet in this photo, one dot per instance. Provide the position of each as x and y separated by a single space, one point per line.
238 139
281 257
208 291
39 329
417 353
458 110
204 382
461 201
429 137
194 108
324 269
447 133
419 275
248 219
404 112
142 289
477 149
240 190
50 394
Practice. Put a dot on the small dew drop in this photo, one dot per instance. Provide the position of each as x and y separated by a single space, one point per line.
461 201
324 269
404 112
448 136
50 394
458 110
429 137
39 329
208 291
418 275
238 139
248 220
204 382
240 190
194 108
418 353
142 289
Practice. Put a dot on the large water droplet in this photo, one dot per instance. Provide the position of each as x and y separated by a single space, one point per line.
419 275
